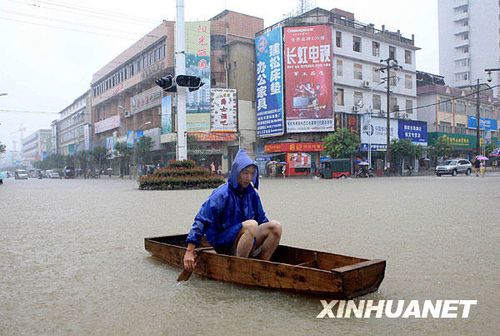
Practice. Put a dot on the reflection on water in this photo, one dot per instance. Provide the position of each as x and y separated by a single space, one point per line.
73 259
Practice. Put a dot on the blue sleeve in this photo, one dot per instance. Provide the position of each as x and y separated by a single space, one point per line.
206 217
261 215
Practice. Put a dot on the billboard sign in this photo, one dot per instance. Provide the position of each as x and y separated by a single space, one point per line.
269 83
166 115
198 64
223 110
308 73
414 130
484 124
375 132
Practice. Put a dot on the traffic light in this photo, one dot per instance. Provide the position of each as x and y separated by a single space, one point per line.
169 83
166 83
192 82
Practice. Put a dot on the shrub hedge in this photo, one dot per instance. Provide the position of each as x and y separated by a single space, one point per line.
180 175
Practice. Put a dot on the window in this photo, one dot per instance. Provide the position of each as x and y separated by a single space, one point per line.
444 105
339 97
409 106
407 56
338 39
375 75
462 76
393 78
358 71
393 105
392 52
460 128
377 102
445 127
340 71
375 48
462 63
356 43
408 82
358 99
460 107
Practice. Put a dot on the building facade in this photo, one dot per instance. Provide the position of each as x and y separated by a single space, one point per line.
332 79
127 104
36 146
451 112
73 128
469 41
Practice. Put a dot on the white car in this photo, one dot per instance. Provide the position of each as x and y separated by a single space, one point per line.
454 167
21 174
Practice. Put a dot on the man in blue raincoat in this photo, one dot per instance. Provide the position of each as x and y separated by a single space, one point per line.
232 218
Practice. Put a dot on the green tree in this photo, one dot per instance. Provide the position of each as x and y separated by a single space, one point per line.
341 144
143 149
123 153
82 157
441 148
98 156
489 148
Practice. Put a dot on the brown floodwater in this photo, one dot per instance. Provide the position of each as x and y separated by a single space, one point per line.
72 258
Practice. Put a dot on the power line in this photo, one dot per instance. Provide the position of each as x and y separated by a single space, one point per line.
66 22
69 29
29 111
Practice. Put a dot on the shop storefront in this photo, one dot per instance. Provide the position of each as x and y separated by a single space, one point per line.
299 159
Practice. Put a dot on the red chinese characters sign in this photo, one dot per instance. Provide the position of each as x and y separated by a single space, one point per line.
308 75
294 147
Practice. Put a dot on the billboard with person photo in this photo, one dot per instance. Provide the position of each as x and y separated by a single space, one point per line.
308 73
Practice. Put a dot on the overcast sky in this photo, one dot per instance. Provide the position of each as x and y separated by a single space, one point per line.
49 49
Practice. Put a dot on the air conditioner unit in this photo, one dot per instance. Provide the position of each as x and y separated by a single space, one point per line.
355 108
366 83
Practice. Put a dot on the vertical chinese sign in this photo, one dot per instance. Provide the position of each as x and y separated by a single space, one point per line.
308 72
166 115
198 64
223 110
269 83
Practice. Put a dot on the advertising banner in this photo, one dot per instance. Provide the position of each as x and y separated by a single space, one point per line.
86 137
223 110
299 160
130 139
308 73
107 124
375 133
146 100
414 130
110 147
198 64
484 124
269 83
166 115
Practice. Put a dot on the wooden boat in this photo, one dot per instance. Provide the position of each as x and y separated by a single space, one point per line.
291 269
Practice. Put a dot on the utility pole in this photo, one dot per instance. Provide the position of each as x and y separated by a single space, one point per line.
478 120
390 64
180 68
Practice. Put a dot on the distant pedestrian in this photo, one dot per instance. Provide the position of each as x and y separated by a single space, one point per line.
212 168
283 170
477 165
219 170
482 168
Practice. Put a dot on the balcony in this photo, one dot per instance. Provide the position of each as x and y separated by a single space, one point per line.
460 3
461 16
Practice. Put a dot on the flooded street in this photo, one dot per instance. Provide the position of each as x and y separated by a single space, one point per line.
73 260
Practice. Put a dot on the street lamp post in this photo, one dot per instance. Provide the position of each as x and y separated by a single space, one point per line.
390 64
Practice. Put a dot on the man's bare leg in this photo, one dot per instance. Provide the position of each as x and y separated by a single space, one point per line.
245 238
267 238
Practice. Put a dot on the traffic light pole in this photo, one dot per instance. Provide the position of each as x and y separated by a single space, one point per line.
180 68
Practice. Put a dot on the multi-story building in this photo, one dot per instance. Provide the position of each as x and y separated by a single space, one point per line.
72 129
331 78
127 103
36 146
469 36
452 112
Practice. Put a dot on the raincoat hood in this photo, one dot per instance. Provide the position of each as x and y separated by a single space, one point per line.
241 161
